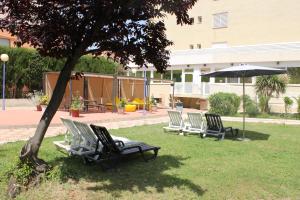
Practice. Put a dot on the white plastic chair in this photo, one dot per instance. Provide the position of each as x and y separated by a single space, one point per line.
176 122
196 124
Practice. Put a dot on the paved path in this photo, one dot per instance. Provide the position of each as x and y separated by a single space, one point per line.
20 124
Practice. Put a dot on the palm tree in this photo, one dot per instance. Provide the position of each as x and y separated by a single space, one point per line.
266 86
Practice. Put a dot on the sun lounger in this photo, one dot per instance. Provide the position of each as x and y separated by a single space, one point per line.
83 139
114 150
215 127
176 122
78 144
196 124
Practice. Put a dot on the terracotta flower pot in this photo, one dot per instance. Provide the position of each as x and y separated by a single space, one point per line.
38 108
75 113
154 108
121 110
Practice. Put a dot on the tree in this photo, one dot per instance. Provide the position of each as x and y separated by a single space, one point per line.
128 31
266 86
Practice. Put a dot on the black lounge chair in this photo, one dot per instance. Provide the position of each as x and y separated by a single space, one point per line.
114 150
215 127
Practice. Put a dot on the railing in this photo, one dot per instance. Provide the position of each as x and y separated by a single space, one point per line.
206 89
202 89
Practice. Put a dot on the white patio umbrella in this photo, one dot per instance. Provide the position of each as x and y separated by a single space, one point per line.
244 71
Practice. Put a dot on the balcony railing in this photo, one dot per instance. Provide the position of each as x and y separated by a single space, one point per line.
191 89
206 89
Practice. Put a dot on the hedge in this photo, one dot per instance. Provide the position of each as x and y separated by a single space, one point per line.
26 67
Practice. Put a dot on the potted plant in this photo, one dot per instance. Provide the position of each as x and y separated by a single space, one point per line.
153 104
121 106
44 100
39 99
179 105
76 105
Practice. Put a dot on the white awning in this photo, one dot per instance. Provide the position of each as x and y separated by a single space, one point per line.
263 53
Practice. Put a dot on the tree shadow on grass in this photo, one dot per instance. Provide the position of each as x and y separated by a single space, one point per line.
131 175
253 135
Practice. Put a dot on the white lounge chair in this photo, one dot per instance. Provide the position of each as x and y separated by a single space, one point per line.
196 124
79 144
176 122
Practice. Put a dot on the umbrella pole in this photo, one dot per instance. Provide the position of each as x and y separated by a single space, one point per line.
244 107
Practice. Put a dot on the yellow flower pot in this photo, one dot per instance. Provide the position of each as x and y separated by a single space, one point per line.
130 108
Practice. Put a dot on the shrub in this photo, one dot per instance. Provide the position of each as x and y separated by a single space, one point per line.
298 105
252 110
288 102
250 106
22 172
248 100
224 103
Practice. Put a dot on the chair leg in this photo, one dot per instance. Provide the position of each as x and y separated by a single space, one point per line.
143 156
152 157
222 136
236 132
231 131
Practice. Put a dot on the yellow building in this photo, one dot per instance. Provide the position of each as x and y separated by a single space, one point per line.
237 22
227 33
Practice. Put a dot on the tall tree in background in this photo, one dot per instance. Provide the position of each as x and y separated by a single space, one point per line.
131 30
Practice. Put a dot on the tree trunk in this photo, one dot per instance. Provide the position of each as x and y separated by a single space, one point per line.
29 152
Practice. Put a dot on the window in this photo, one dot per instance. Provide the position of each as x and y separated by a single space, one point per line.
167 75
157 75
199 46
199 19
220 80
188 78
177 75
191 46
219 45
139 74
193 20
247 80
4 42
220 20
232 80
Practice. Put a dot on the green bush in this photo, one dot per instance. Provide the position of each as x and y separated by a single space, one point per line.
250 106
22 172
224 103
252 110
298 105
288 102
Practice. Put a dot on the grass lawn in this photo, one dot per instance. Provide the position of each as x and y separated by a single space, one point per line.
268 167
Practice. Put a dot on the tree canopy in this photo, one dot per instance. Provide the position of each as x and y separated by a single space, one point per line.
128 30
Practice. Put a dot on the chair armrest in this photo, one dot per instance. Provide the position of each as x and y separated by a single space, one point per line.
133 147
119 143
